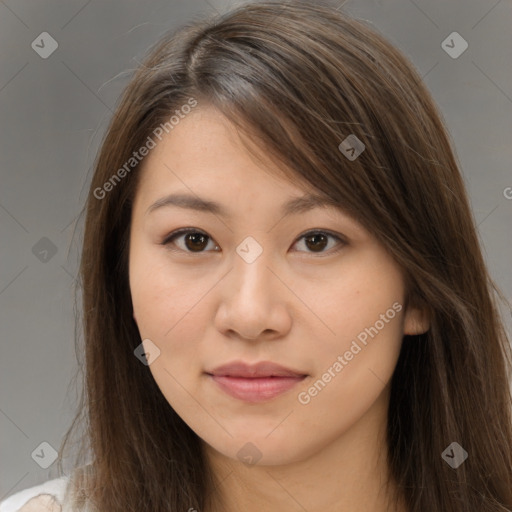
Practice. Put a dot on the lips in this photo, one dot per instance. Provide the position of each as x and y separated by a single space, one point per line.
255 383
258 370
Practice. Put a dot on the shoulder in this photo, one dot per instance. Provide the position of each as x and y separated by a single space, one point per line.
46 497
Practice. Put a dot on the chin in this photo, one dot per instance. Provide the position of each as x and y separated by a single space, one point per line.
261 449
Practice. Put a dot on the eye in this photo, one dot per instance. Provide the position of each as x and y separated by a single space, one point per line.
316 241
196 241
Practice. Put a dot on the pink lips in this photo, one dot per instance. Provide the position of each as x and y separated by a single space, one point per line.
255 383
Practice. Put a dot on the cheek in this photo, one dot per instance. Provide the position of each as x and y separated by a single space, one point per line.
168 314
168 310
365 297
165 302
354 362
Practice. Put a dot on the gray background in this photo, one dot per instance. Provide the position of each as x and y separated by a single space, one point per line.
54 111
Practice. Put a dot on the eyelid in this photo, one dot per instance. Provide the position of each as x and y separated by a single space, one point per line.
342 240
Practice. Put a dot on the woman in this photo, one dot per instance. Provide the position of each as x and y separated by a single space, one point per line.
285 302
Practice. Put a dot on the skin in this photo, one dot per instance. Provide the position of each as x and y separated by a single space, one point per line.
294 305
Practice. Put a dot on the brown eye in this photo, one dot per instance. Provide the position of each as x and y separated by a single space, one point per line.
317 241
193 240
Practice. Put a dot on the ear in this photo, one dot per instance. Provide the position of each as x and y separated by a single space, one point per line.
417 320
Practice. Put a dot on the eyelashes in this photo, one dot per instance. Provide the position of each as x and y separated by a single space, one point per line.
315 235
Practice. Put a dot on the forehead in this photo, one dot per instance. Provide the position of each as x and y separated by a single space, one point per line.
204 165
206 152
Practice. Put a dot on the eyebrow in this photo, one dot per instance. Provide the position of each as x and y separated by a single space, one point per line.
295 205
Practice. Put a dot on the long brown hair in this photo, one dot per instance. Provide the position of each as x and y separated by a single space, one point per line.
299 79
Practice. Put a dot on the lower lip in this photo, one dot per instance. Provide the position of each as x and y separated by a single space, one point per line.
255 389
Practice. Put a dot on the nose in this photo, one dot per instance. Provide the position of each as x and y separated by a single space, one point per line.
254 301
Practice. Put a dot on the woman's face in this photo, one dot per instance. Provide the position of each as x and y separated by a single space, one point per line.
254 284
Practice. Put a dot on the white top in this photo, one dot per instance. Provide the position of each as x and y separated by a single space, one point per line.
46 497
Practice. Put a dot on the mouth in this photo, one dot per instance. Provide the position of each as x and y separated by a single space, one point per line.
255 383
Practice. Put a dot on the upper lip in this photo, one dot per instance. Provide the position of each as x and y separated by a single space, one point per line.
260 369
